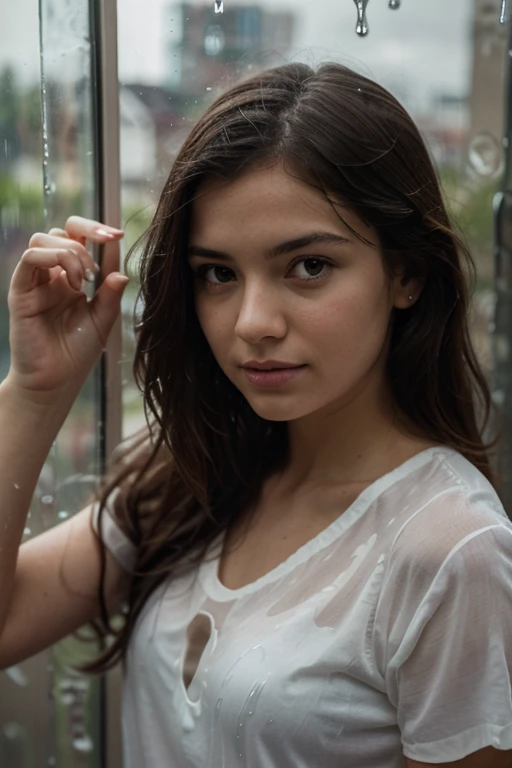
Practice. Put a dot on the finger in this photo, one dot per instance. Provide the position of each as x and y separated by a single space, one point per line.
62 233
77 226
36 260
106 303
43 276
89 266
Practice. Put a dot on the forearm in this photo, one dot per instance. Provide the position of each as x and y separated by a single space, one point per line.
28 426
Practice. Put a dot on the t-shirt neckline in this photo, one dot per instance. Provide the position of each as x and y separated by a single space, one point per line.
208 570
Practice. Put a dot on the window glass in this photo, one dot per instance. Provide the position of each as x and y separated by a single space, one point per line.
49 714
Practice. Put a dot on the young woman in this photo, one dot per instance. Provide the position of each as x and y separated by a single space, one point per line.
306 544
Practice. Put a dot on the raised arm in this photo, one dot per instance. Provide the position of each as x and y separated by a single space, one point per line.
56 336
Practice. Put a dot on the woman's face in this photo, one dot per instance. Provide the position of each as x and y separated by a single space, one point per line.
324 306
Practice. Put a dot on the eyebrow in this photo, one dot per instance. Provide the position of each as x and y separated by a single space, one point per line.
290 245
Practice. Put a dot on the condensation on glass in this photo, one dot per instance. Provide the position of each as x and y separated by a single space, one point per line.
48 713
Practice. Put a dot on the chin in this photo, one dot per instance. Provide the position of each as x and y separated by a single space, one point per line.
279 411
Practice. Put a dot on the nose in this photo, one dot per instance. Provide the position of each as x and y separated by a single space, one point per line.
261 314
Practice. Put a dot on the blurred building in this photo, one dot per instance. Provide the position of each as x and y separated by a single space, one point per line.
445 128
138 135
205 49
487 97
466 133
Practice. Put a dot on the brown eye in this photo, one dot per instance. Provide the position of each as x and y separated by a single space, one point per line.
220 274
311 268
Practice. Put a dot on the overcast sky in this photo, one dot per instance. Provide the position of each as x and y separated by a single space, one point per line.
424 46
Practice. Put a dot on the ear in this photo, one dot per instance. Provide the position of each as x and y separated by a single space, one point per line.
406 292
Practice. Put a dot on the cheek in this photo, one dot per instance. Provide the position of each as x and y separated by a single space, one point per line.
349 325
213 324
351 320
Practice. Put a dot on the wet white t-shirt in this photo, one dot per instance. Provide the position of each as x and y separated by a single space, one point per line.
387 634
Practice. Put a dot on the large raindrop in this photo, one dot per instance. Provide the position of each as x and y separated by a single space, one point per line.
362 27
362 23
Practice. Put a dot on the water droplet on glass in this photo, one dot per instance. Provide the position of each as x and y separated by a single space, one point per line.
362 23
27 531
13 731
51 761
503 12
47 499
79 329
17 675
16 486
208 87
83 744
394 4
219 6
67 698
214 40
485 156
63 515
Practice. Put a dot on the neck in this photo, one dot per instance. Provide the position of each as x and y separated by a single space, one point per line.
349 442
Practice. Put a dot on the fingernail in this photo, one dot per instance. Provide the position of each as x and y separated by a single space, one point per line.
119 278
104 233
89 275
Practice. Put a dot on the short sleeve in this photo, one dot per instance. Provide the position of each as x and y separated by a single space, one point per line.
448 671
116 541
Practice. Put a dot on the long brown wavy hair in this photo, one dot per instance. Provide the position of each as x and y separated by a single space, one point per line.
205 453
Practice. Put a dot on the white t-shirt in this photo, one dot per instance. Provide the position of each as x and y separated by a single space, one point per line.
387 634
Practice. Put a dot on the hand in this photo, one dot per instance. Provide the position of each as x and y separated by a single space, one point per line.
56 334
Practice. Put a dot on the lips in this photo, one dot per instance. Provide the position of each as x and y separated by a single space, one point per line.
272 377
269 365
